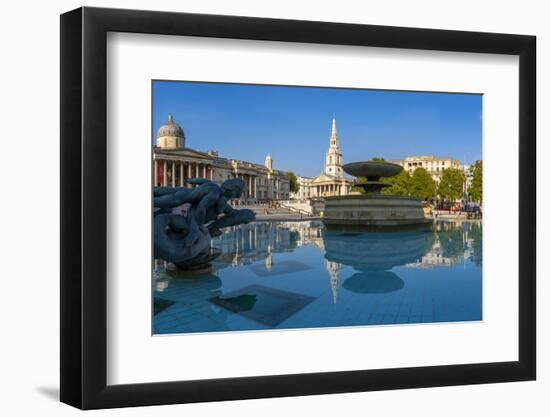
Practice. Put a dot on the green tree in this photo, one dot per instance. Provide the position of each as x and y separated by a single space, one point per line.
476 189
422 184
359 189
451 185
400 184
451 240
377 159
294 186
476 234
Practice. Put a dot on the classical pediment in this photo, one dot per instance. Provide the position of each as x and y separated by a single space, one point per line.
324 178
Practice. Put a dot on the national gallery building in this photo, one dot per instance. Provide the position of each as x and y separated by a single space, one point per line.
174 163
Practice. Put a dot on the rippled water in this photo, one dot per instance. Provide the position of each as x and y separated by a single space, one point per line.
281 275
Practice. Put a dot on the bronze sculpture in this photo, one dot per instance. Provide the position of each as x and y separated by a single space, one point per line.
183 237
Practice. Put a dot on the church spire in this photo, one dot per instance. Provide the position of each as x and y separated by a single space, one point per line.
334 134
334 269
333 161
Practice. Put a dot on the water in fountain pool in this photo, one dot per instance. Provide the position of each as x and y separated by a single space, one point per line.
301 275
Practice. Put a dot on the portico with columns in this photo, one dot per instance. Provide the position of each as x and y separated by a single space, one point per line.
173 169
327 186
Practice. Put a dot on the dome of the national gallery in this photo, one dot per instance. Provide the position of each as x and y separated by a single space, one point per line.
170 135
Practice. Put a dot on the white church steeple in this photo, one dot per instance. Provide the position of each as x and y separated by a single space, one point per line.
333 162
334 269
334 141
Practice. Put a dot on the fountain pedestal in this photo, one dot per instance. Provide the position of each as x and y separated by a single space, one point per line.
372 209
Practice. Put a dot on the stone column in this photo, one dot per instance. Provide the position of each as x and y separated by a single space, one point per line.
164 174
252 186
256 187
155 172
211 172
182 176
173 173
204 171
197 173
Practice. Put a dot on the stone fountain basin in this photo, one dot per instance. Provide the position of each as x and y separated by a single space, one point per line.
372 169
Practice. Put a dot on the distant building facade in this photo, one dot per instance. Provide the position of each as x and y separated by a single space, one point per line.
432 164
174 163
305 191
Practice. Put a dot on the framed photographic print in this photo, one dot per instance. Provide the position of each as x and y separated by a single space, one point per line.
258 207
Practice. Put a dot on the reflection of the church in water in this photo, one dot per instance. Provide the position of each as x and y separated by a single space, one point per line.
374 254
371 254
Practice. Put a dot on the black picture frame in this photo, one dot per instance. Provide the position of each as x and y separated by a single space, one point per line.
84 207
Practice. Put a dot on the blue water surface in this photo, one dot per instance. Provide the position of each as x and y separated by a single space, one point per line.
287 275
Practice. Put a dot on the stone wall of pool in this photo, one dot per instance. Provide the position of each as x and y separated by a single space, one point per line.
373 210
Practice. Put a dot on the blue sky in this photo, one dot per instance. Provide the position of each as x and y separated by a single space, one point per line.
293 124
